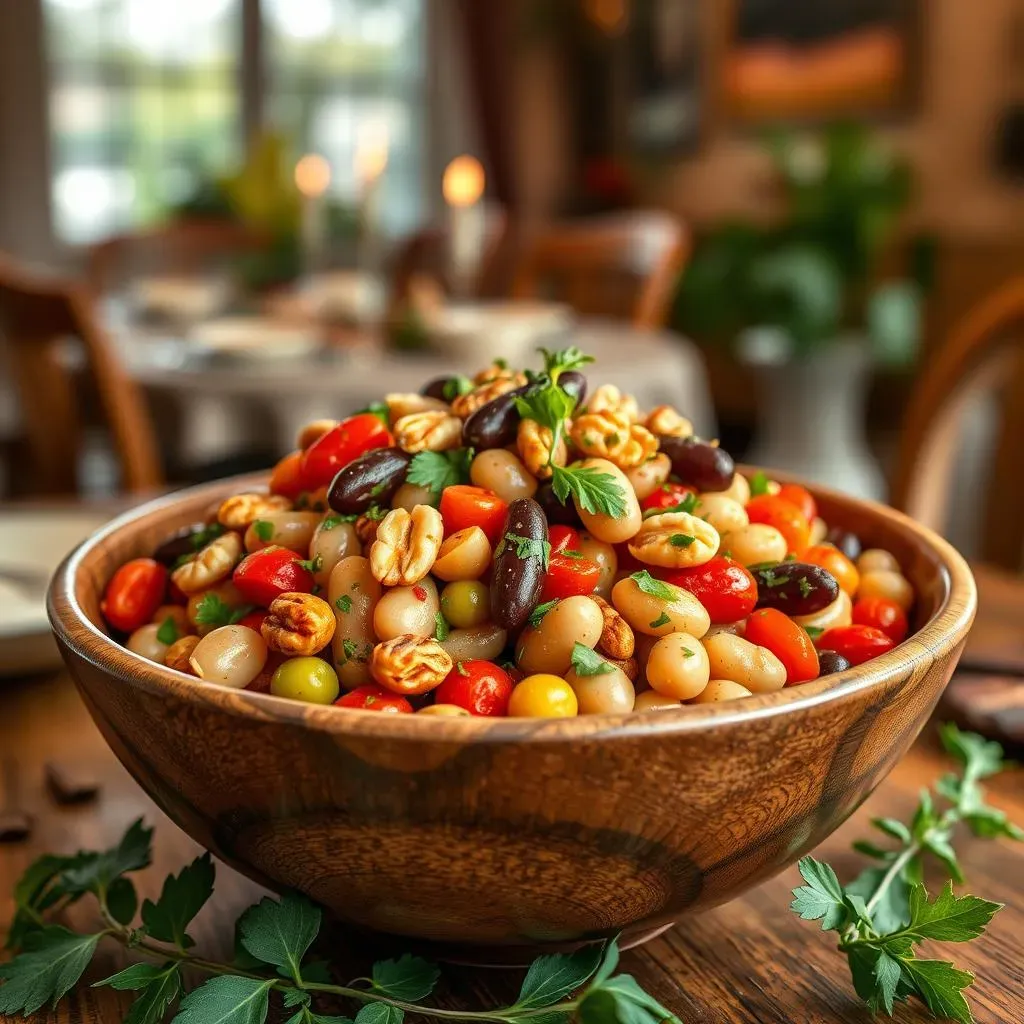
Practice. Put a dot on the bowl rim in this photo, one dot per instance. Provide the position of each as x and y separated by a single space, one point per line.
943 631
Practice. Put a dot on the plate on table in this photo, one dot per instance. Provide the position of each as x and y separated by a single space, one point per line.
254 338
480 331
33 542
176 299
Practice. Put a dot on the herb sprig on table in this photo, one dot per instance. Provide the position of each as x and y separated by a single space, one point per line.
886 912
272 961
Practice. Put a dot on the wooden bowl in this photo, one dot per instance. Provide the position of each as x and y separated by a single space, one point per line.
491 838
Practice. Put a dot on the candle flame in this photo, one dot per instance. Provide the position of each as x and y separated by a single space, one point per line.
312 175
371 151
464 180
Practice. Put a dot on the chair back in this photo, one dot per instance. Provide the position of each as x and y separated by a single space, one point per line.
38 316
983 355
623 265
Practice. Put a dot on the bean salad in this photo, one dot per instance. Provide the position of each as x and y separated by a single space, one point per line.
511 544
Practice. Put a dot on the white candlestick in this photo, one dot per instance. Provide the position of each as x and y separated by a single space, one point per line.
463 187
371 162
312 176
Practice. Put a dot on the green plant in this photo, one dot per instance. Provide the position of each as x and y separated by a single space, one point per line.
815 274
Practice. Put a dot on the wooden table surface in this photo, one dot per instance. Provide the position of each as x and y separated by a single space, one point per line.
749 962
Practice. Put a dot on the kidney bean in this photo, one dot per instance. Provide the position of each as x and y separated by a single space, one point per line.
847 542
495 424
557 514
574 384
830 662
704 466
370 479
444 388
519 564
185 542
795 588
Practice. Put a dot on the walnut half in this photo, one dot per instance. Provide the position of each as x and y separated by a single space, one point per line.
410 664
298 624
617 639
407 544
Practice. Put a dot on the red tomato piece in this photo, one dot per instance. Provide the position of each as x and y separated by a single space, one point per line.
801 497
883 614
463 505
481 687
772 510
286 476
254 620
564 538
856 644
339 446
626 562
134 593
270 572
569 575
790 643
373 698
666 496
726 589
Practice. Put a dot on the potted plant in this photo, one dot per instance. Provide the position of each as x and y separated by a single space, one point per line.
804 300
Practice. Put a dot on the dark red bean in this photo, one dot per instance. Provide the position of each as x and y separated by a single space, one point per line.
372 479
557 513
847 542
495 424
574 384
519 564
795 588
697 463
447 388
830 662
186 542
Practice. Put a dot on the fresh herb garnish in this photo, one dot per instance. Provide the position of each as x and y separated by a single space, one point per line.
441 628
456 386
813 631
681 540
759 483
526 547
540 611
461 669
314 565
557 362
687 653
168 631
662 620
767 576
336 519
264 530
378 489
344 604
886 911
594 491
587 662
375 512
213 611
378 409
438 470
656 588
805 586
348 651
208 533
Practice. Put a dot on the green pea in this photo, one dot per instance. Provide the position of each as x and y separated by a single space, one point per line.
309 679
466 603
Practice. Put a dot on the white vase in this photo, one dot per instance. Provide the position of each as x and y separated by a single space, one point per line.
812 414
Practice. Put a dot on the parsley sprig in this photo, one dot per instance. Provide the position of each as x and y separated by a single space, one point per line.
273 962
438 470
883 914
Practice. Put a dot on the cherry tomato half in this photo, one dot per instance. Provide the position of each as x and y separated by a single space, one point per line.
856 644
667 496
789 642
829 557
772 510
883 614
286 476
463 505
569 575
134 593
254 620
339 446
481 687
726 589
801 497
543 696
564 538
373 698
269 573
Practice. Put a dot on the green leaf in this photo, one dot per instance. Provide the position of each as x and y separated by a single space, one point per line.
551 978
264 530
540 611
526 547
122 901
592 490
307 1016
378 409
131 979
621 999
280 932
647 584
892 911
587 662
213 611
870 850
181 898
438 470
313 565
949 918
992 823
229 999
887 978
609 961
938 844
40 887
980 757
759 483
549 406
93 872
822 897
455 387
379 1013
571 358
892 827
941 986
168 631
160 985
409 978
441 628
53 961
344 604
295 997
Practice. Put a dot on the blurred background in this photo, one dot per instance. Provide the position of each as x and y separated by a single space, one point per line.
802 224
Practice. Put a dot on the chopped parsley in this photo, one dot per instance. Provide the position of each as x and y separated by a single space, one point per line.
202 537
438 470
375 512
759 483
805 587
312 564
656 588
168 631
336 519
441 629
378 409
687 653
378 489
526 547
213 611
264 530
456 386
344 604
766 575
588 662
662 620
681 540
813 631
348 650
540 611
461 669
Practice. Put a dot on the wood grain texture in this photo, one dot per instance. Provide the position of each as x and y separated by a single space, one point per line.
489 838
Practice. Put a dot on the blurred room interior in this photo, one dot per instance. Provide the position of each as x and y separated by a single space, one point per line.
802 224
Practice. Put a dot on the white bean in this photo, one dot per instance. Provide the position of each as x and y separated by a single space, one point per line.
411 610
465 555
613 529
753 544
231 655
678 666
144 642
733 657
606 693
838 613
669 610
720 689
408 496
606 559
503 472
292 530
548 646
353 593
893 586
333 541
877 560
651 700
722 512
476 643
649 476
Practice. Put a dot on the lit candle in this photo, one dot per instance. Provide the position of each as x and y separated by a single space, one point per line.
371 160
312 176
463 188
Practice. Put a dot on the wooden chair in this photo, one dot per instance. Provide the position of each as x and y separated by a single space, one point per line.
37 316
623 265
984 353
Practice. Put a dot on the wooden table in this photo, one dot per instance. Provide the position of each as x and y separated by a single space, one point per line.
749 962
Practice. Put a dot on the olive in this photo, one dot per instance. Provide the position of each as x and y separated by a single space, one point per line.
309 679
557 514
574 384
465 604
519 564
830 662
704 466
446 388
495 424
846 541
796 588
185 542
371 479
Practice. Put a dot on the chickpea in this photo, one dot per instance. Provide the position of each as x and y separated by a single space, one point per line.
838 613
292 530
877 560
753 544
893 586
604 556
444 711
179 652
649 476
332 541
503 473
465 555
412 610
145 643
611 529
353 593
231 655
720 689
408 496
678 667
738 490
725 514
226 592
177 614
478 643
547 648
668 610
734 658
651 700
607 693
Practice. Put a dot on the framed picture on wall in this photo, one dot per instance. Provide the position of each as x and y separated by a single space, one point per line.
665 113
794 60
